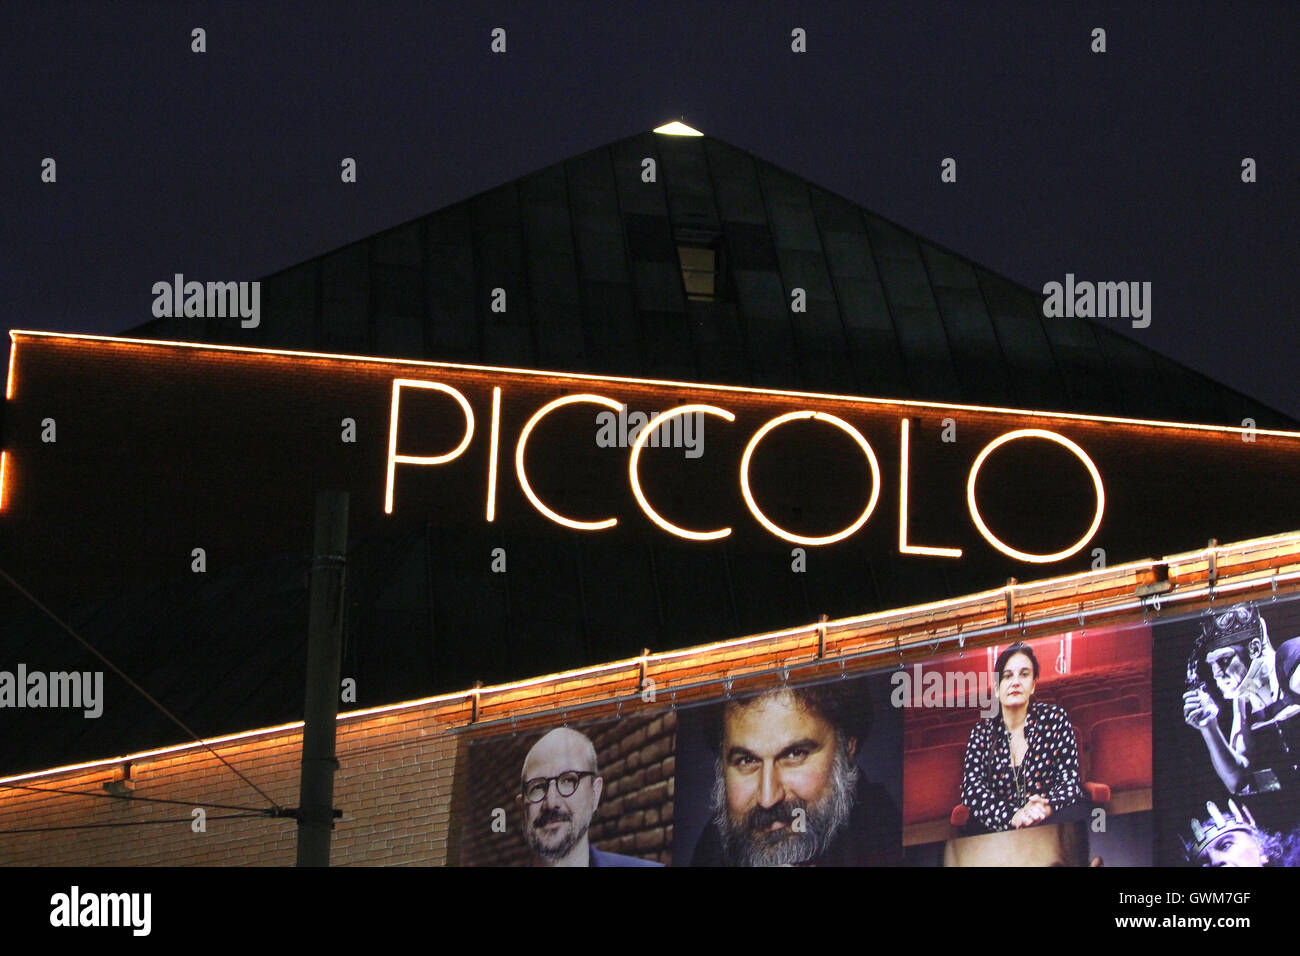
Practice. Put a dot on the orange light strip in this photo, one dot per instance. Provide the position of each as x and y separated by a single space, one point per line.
4 457
1116 571
667 383
158 752
9 379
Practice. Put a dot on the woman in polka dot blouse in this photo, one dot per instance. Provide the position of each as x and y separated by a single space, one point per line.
1022 766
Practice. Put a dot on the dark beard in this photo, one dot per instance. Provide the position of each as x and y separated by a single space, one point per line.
560 850
750 842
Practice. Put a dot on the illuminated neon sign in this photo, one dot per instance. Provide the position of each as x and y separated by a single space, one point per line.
395 458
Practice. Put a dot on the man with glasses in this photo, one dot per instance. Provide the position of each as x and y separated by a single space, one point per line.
560 789
1261 751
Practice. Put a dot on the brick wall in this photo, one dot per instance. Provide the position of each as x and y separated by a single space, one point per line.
394 786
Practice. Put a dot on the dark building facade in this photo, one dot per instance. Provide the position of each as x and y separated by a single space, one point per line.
656 258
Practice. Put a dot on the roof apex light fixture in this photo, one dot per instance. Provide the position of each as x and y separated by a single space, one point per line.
676 128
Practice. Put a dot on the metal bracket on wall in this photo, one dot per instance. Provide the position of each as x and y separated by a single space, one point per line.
1214 564
123 786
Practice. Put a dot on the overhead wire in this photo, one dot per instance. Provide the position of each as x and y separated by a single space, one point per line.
144 693
135 823
113 796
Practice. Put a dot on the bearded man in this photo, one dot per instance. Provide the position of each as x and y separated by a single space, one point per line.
787 788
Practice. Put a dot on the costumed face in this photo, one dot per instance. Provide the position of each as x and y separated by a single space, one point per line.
786 783
554 822
1229 670
1237 848
1016 683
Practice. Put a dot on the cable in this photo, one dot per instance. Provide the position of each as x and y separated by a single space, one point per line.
138 823
144 693
110 796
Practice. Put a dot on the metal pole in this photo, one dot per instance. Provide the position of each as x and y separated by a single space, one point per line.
324 641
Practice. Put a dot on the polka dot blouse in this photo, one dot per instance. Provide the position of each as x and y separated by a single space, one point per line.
1050 766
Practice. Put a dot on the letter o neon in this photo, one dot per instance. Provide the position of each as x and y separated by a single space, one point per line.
1006 549
781 532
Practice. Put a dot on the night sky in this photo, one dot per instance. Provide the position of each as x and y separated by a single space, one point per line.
1122 166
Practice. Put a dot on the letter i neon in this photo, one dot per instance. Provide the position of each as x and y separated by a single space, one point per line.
492 454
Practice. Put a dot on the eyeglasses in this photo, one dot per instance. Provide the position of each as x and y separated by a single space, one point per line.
566 785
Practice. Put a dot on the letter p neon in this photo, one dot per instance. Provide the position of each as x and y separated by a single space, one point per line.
394 458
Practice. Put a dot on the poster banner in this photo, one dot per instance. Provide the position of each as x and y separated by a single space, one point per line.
1227 712
801 774
1036 753
579 795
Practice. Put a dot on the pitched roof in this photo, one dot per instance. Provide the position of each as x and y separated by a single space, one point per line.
586 253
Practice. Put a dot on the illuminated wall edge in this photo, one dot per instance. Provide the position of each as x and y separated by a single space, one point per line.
1269 565
666 383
